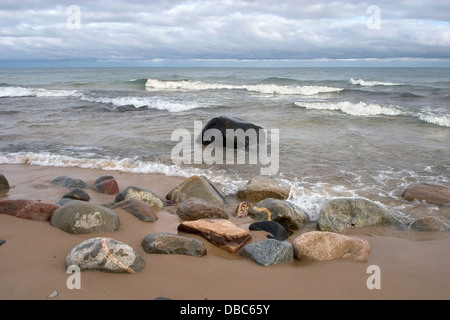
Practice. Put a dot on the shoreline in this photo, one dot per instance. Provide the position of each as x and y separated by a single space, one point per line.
414 265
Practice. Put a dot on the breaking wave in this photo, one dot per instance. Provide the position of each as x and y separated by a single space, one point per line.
365 83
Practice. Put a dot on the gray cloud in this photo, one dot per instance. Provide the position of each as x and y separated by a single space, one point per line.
146 30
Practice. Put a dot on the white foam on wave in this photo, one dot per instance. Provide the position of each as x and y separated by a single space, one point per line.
154 84
365 83
133 165
150 102
35 92
355 109
440 120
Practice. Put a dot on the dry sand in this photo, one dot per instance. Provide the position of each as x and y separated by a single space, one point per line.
413 265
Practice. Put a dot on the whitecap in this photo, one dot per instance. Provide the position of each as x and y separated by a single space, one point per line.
365 83
355 109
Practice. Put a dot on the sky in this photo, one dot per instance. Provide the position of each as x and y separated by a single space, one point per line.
43 33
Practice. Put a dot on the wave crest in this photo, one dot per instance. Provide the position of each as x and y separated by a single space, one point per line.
354 109
364 83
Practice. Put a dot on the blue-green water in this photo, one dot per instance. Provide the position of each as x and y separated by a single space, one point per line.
368 132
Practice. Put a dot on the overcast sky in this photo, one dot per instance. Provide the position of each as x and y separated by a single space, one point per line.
131 32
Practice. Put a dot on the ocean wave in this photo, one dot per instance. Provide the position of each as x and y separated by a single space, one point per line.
154 84
354 109
34 92
133 165
440 120
365 83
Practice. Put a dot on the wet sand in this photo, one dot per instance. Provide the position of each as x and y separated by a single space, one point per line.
413 265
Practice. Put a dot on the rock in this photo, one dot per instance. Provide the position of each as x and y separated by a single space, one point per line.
220 232
106 185
262 187
320 246
197 187
285 213
276 230
196 208
431 193
142 194
242 209
138 208
77 194
168 243
4 184
28 209
80 217
223 123
69 182
105 254
340 214
430 224
2 242
63 201
269 252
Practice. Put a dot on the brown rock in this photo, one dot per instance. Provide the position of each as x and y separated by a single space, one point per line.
220 232
28 209
137 208
431 193
106 185
196 208
430 224
320 246
262 187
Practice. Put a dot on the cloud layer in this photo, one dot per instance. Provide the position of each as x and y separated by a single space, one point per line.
198 29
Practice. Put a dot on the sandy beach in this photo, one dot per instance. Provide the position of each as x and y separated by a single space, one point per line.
413 265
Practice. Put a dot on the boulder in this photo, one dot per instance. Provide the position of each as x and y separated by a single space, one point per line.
28 209
168 243
268 252
242 209
430 224
142 194
221 124
106 185
285 213
77 194
340 214
322 245
220 232
431 193
262 187
80 217
105 254
69 182
196 208
4 184
197 187
137 208
276 230
2 242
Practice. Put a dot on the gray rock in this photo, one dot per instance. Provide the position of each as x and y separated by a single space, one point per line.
340 214
168 243
197 187
140 193
69 182
285 213
4 184
77 194
269 252
105 254
196 208
2 242
80 217
430 224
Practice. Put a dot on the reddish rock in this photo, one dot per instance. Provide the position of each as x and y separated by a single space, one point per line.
106 185
138 208
430 224
431 193
28 209
220 232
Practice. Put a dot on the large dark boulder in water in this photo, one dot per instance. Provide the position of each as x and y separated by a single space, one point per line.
223 123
